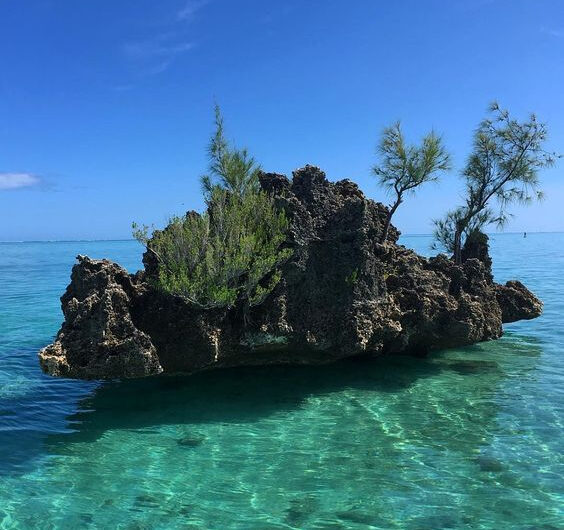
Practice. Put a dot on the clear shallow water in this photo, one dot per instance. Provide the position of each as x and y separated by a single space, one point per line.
469 438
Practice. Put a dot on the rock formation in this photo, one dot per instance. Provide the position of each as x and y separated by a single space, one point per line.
342 294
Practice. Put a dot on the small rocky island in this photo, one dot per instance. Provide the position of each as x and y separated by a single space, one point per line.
341 294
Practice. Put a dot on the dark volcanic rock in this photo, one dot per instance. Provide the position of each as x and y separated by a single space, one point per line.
516 302
477 246
342 294
98 339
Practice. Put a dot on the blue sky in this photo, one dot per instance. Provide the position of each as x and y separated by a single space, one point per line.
106 107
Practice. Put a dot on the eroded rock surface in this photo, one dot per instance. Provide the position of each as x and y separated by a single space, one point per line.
342 294
98 339
516 302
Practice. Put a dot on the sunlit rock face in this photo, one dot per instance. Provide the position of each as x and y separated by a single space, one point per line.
98 338
342 294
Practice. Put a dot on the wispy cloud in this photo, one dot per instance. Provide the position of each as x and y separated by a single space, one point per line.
155 48
157 54
15 181
190 8
558 33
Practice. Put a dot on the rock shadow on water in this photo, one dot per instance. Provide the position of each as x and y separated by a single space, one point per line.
251 393
234 395
231 395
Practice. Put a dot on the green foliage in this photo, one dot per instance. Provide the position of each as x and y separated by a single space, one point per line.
352 278
403 168
502 170
232 251
230 168
445 229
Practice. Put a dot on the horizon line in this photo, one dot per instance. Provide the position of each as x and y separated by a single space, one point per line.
109 240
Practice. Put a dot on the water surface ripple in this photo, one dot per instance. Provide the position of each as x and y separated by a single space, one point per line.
469 438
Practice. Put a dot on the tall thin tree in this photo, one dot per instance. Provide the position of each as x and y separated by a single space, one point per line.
404 168
230 168
502 170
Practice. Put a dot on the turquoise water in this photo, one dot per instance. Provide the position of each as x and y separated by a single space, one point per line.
469 438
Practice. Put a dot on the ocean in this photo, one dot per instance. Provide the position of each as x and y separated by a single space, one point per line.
468 438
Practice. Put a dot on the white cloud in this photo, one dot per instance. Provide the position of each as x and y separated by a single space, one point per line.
191 7
14 181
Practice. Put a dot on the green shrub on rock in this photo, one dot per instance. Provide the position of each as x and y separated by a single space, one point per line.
232 251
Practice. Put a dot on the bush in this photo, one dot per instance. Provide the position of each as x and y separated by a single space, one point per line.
232 251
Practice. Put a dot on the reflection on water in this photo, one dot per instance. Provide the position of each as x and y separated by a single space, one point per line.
468 438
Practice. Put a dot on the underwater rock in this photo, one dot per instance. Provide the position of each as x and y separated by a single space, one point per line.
472 366
191 441
342 294
489 464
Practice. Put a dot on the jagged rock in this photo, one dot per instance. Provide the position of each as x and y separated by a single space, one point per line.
98 338
342 294
516 302
477 246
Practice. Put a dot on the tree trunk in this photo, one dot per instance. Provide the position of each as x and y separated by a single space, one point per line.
389 220
458 246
